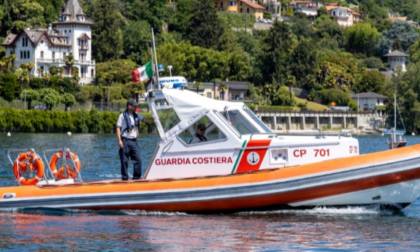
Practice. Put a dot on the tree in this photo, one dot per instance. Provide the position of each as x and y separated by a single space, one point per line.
107 35
204 28
183 14
283 97
372 62
9 85
300 26
303 61
68 100
69 61
290 82
198 85
75 77
30 95
197 63
136 38
23 76
51 98
322 11
329 30
53 70
154 12
277 45
371 81
222 89
361 38
400 30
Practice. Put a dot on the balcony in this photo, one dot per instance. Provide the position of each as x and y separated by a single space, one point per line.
50 61
63 62
85 62
83 47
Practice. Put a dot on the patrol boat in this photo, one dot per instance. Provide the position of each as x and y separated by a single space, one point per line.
243 165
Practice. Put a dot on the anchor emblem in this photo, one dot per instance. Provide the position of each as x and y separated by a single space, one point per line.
253 158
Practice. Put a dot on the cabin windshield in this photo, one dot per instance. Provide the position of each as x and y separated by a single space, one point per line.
240 122
257 120
168 118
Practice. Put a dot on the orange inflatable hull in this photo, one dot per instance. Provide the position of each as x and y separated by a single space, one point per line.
360 180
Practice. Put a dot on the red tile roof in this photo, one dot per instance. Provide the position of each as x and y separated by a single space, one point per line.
253 5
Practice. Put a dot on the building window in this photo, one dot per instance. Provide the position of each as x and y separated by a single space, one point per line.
232 3
29 54
247 10
221 4
64 55
215 5
208 94
92 73
21 54
240 4
42 54
24 54
53 55
65 31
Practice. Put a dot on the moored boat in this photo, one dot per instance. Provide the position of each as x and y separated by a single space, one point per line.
240 165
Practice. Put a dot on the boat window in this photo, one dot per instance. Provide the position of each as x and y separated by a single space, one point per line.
166 113
239 122
257 120
204 130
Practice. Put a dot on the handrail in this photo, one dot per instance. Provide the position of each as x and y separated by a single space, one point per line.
64 150
24 150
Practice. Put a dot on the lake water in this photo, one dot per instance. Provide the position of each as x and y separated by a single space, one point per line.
322 229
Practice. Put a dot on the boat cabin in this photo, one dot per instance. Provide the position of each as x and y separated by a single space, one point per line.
235 139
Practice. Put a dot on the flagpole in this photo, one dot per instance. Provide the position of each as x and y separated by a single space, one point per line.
154 48
151 60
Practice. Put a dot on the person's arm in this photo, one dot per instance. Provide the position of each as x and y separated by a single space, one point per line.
148 120
120 143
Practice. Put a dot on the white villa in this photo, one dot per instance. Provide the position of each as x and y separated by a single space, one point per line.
343 15
397 58
368 101
49 47
309 8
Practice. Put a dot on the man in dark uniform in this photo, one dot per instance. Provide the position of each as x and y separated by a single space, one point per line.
127 132
199 135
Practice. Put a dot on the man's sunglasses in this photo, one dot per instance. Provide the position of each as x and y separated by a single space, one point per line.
202 129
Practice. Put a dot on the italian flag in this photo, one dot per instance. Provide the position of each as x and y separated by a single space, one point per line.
143 73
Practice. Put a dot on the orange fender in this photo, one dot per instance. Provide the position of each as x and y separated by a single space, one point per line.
35 164
60 173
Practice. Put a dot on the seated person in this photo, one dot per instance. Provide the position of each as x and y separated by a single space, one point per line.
199 134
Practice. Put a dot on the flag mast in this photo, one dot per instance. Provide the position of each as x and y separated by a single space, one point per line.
154 48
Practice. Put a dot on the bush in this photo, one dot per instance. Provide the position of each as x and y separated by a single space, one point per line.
236 19
334 95
353 105
36 83
9 86
267 15
372 62
60 121
274 108
283 97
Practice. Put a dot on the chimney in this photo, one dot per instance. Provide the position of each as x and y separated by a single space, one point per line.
389 50
33 37
49 28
